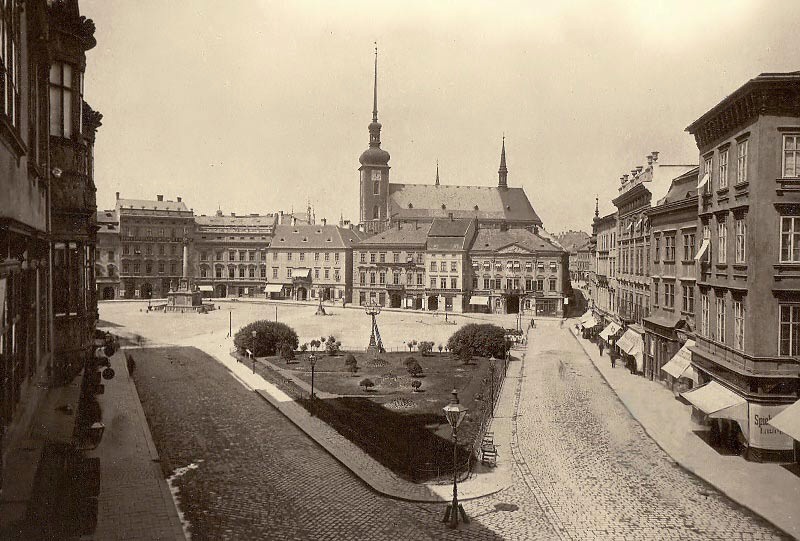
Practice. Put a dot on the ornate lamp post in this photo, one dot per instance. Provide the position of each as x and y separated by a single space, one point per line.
375 343
454 412
254 334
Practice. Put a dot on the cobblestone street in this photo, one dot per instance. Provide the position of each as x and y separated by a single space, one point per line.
585 468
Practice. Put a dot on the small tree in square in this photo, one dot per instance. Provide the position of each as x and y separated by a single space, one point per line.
332 346
367 384
286 351
425 348
441 347
351 363
415 369
416 384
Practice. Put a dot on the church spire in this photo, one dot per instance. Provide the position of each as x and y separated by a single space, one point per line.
375 88
437 172
503 171
596 207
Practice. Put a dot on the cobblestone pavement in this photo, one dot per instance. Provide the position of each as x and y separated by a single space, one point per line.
595 471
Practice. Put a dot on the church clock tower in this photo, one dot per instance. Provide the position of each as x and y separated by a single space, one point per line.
374 173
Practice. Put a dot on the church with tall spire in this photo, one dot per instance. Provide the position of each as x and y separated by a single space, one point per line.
384 204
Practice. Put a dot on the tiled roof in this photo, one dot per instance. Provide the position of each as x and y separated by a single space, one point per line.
493 240
312 237
233 221
148 204
107 221
682 187
444 227
407 234
482 202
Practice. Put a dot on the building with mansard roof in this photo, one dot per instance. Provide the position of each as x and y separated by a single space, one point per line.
383 203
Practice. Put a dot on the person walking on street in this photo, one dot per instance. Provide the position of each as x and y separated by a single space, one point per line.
601 345
613 358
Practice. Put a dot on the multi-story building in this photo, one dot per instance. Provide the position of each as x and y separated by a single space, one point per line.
382 203
311 262
673 225
48 305
636 194
389 268
747 300
107 255
576 243
229 253
517 270
152 234
602 289
447 261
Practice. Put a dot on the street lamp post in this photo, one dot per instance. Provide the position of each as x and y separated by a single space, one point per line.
253 350
312 359
454 412
375 342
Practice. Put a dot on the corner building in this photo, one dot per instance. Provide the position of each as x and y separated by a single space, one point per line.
747 298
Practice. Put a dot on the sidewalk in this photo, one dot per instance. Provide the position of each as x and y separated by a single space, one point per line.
134 501
767 489
360 463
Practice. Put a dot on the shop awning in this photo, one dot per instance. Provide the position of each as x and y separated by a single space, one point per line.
609 331
630 342
680 366
273 288
702 251
206 288
479 299
589 323
718 401
585 317
301 272
702 182
788 421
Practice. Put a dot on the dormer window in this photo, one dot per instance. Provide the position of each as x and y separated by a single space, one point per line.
444 206
410 206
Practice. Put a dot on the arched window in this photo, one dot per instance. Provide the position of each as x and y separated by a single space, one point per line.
376 187
203 271
375 212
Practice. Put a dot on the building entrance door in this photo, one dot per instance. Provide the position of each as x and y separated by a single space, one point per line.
222 291
108 293
433 302
302 293
146 291
395 300
512 304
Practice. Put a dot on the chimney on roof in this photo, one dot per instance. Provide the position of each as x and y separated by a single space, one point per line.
233 214
179 199
625 177
450 215
649 159
294 220
655 155
160 197
324 221
117 196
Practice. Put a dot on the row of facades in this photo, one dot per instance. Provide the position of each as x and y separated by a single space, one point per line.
700 266
48 306
448 264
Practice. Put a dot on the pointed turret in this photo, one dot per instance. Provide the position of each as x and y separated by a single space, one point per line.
374 155
437 172
503 171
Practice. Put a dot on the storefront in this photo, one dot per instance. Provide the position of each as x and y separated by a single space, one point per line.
273 291
610 334
741 426
631 347
680 374
479 303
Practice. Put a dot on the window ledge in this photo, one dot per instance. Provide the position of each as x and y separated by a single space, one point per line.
722 191
10 134
741 185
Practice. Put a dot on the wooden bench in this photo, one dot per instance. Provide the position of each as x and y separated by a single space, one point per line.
488 450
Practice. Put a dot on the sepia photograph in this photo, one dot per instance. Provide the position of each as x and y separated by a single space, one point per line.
352 271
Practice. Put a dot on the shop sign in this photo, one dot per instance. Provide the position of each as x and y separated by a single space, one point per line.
763 435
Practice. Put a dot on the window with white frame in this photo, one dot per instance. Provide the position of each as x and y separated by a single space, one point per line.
656 248
707 238
740 229
722 240
789 331
372 278
704 314
720 309
688 246
61 99
688 298
790 239
741 162
738 325
362 279
723 169
708 171
669 248
791 155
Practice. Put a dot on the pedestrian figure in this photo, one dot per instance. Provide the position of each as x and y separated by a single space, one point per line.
601 345
561 368
131 364
613 358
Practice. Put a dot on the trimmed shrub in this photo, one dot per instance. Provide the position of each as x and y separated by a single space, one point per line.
415 369
269 336
286 351
332 345
351 363
303 347
366 383
425 348
416 384
483 340
409 361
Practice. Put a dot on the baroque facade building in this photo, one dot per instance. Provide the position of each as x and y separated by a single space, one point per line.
152 234
107 255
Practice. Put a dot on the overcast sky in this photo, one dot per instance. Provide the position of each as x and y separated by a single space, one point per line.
256 106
